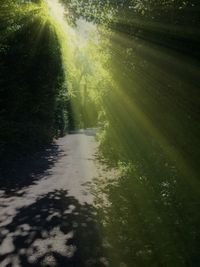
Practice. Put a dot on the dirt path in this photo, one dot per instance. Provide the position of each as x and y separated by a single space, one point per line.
49 219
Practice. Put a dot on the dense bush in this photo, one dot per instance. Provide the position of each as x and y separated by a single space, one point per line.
31 77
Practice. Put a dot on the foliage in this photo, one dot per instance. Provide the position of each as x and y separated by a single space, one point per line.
148 111
31 77
169 23
136 77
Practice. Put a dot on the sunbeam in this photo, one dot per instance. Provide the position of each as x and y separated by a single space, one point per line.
57 11
101 99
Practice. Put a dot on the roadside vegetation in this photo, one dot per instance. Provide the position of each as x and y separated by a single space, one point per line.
135 76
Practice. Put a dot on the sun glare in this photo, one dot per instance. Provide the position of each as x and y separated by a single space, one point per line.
57 11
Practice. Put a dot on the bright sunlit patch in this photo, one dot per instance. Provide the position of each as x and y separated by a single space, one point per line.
66 35
57 11
83 58
84 30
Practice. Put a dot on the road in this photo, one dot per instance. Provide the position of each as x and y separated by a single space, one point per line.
47 216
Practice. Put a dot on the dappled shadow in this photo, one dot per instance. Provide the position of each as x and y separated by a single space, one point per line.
22 172
56 230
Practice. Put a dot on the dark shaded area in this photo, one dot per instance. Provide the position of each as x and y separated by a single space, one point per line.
150 222
64 117
56 230
21 172
33 107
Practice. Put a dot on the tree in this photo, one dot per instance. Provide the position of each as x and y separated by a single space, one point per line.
31 76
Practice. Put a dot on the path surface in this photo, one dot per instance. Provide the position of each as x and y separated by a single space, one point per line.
46 213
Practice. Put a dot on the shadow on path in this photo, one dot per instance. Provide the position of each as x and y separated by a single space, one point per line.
56 230
22 172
